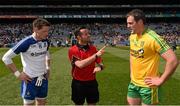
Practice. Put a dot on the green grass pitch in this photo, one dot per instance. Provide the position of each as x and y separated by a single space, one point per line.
113 81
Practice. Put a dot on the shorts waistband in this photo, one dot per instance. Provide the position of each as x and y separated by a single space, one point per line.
40 75
90 81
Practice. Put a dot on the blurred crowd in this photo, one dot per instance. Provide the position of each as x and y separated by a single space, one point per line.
83 12
61 34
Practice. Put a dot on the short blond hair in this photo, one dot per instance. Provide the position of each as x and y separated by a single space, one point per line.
40 22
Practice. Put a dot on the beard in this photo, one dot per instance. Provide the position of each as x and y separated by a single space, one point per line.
85 41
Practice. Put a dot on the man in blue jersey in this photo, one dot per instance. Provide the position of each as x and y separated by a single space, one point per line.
36 63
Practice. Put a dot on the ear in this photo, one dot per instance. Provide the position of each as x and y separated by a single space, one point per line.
140 21
35 29
78 37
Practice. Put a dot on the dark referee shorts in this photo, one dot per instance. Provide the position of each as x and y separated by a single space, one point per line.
82 90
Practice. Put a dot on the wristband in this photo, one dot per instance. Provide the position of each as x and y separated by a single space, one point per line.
101 67
17 74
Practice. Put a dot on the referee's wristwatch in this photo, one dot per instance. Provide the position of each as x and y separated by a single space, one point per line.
97 56
101 66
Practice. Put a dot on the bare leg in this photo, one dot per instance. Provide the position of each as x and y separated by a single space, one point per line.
133 101
40 102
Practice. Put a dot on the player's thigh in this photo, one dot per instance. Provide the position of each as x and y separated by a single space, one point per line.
40 101
133 96
28 90
133 101
41 92
149 96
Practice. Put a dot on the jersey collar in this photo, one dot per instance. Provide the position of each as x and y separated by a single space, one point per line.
83 47
145 30
33 35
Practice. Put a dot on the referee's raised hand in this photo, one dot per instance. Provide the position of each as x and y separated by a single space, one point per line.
101 51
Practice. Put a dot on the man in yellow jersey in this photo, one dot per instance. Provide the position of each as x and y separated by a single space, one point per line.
146 48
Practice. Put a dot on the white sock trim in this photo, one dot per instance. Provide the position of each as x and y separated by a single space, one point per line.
26 101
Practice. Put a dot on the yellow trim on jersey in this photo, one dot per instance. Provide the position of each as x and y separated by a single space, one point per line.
154 96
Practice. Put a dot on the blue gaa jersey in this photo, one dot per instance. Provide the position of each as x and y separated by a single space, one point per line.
33 55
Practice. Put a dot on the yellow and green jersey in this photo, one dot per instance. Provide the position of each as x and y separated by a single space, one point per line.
145 54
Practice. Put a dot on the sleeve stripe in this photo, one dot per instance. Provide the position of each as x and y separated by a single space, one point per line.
17 45
161 42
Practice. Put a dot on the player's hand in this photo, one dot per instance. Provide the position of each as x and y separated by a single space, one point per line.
39 80
97 69
153 81
24 77
101 51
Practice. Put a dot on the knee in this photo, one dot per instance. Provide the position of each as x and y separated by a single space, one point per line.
40 101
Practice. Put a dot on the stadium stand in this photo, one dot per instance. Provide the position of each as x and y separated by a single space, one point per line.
105 19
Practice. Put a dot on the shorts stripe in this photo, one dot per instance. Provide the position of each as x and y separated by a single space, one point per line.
154 96
147 95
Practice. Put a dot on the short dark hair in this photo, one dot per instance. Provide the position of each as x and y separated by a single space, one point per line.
40 22
77 31
137 14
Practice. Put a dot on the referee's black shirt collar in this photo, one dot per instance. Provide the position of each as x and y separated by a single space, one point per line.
83 47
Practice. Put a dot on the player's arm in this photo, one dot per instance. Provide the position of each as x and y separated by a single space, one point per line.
130 58
48 58
171 64
48 63
89 60
7 59
130 64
